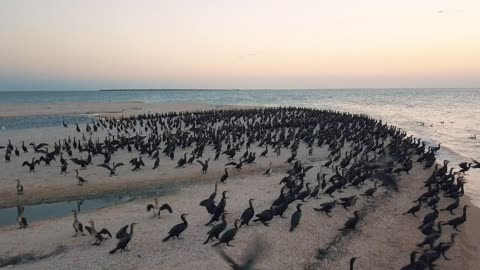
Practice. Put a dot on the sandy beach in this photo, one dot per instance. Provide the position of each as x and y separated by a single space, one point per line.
383 240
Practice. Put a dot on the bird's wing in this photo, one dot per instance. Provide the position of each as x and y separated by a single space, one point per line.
119 164
25 163
76 161
105 166
231 163
228 259
199 161
167 207
89 230
40 146
306 169
476 162
105 231
1 147
122 232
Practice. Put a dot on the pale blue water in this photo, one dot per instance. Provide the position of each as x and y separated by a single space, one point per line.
459 109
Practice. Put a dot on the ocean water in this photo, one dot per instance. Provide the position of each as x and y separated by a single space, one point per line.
449 116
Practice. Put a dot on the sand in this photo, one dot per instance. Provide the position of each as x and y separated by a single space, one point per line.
383 240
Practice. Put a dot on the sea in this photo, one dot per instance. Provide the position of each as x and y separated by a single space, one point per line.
447 116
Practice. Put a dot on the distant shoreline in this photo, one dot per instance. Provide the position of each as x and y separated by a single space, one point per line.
164 90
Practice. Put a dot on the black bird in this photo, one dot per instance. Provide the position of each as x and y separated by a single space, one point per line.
228 236
304 194
414 209
351 222
444 246
177 229
265 216
31 165
326 207
204 165
352 261
224 177
296 218
459 220
157 163
348 201
452 206
248 214
111 169
249 260
414 265
216 230
369 192
182 161
123 238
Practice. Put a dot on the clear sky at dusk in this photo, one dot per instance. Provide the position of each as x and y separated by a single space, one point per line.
88 45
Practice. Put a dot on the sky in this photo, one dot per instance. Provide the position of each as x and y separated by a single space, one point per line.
248 44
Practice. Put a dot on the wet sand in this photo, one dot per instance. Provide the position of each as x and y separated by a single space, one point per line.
383 240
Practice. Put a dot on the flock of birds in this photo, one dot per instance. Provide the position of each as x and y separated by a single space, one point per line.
362 151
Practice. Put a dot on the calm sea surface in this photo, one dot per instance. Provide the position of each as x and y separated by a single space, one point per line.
450 116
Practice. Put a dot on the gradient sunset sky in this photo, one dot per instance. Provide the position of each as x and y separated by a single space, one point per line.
273 44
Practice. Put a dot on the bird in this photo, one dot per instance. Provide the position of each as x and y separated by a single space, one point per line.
177 229
414 209
268 172
204 165
80 180
31 165
351 222
123 238
295 220
459 220
228 236
249 260
216 230
153 207
224 176
111 169
19 188
98 236
21 220
414 265
369 192
265 216
352 261
77 225
248 214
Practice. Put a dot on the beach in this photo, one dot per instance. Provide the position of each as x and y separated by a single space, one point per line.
383 240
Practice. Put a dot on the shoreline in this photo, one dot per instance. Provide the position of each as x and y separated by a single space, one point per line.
102 109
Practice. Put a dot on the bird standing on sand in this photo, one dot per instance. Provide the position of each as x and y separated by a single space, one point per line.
228 236
248 214
19 188
77 226
296 218
154 207
80 180
268 172
123 238
177 229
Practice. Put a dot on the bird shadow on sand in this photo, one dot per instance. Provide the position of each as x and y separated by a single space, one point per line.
29 257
